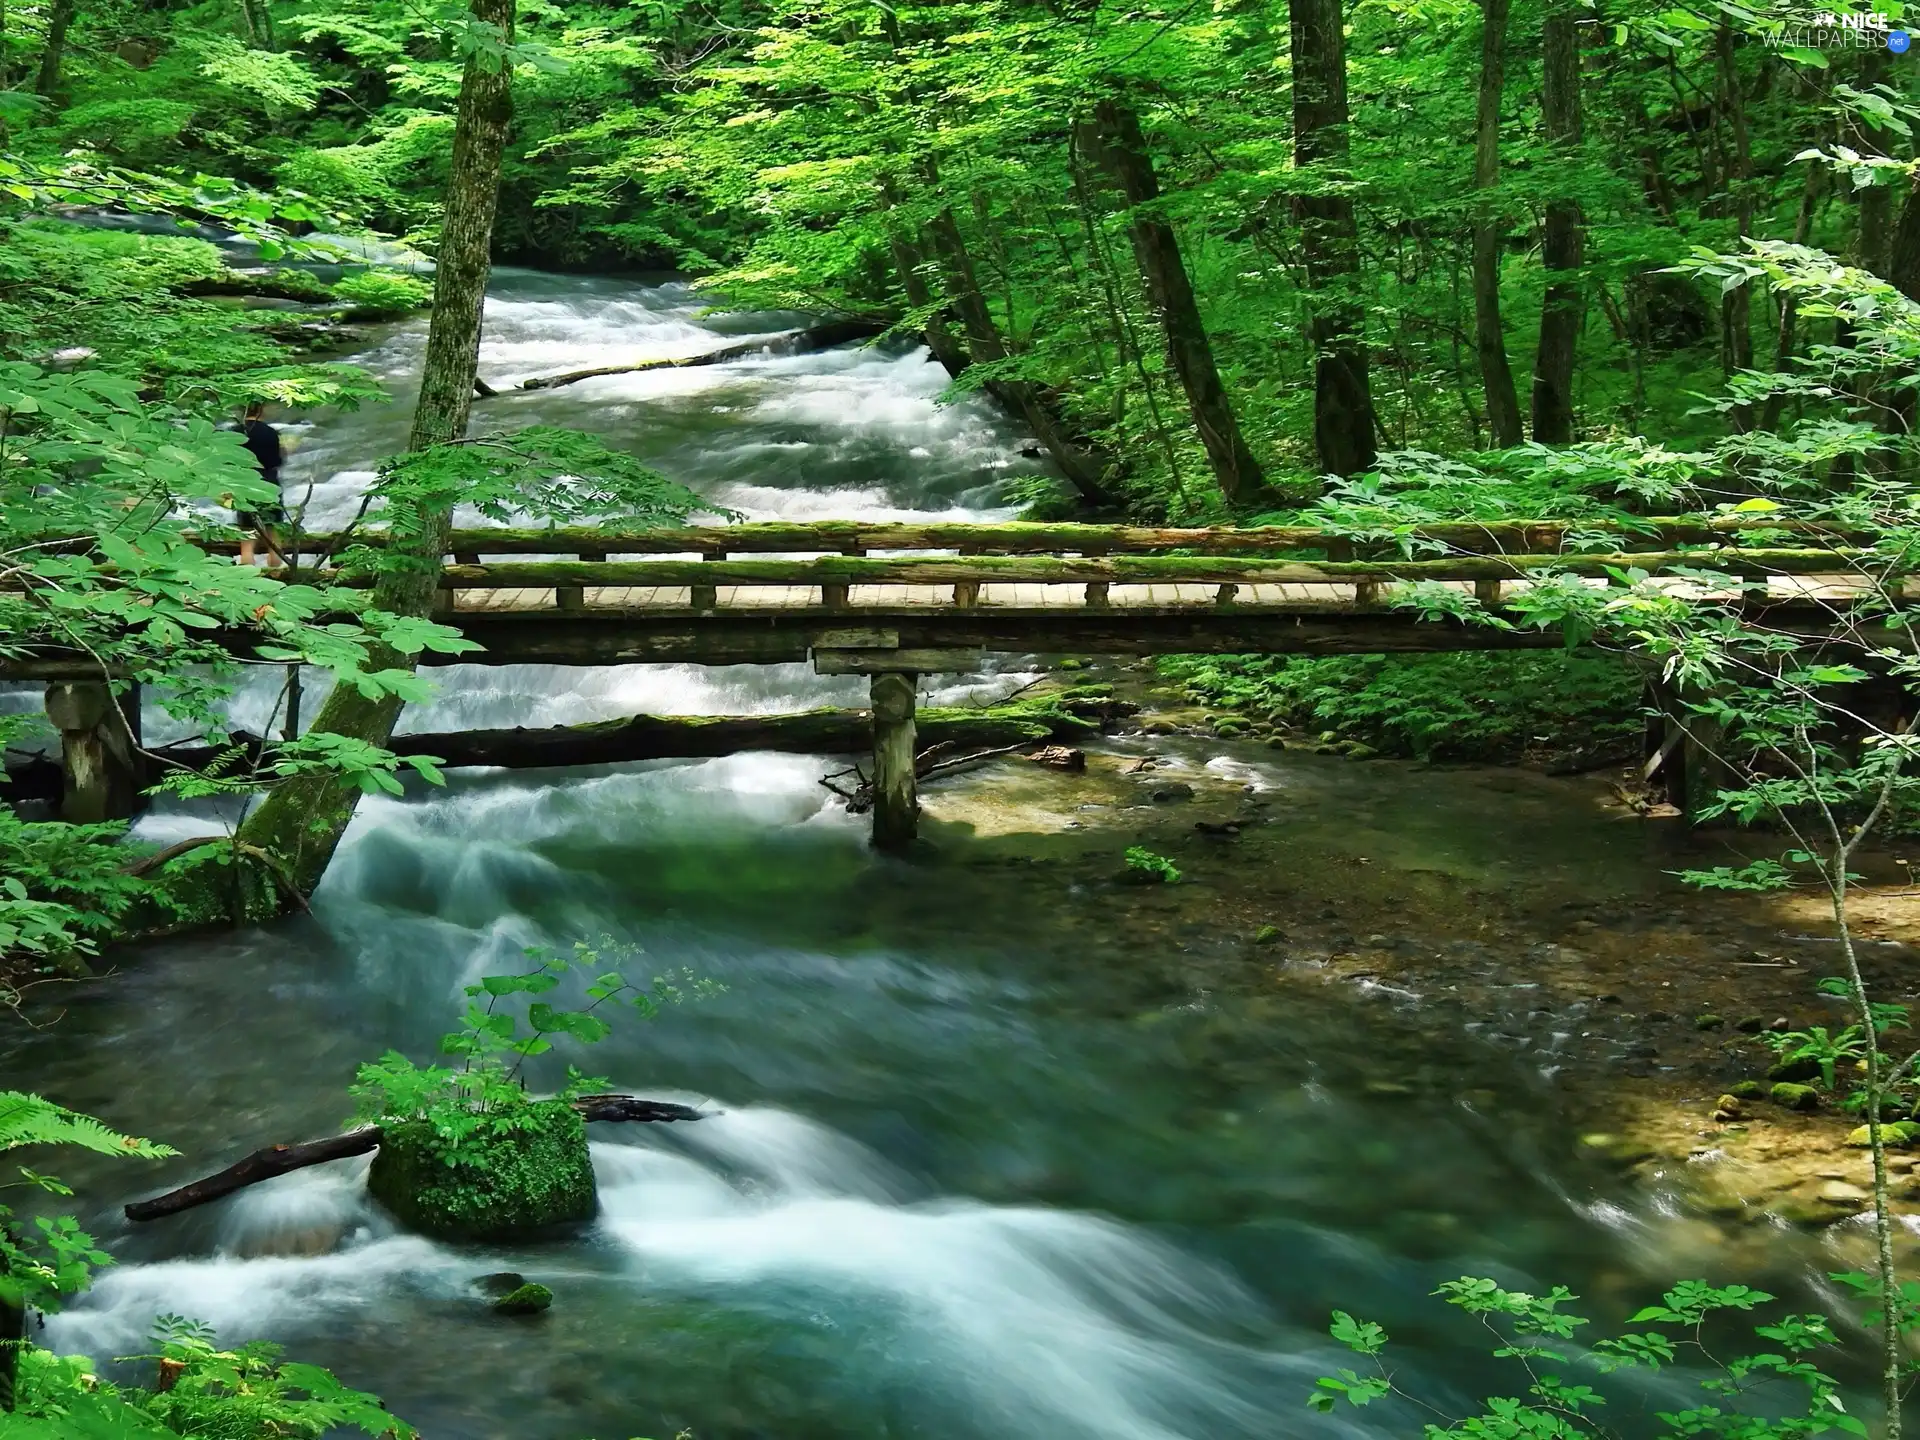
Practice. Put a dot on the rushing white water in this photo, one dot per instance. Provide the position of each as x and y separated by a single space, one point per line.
939 1199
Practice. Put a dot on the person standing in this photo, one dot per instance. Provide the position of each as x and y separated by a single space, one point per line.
263 443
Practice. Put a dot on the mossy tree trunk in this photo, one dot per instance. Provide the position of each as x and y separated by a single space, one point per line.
1562 241
302 822
1343 418
59 19
1489 232
1163 270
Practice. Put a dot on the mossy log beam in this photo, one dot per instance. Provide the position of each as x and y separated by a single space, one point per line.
1499 537
1122 569
276 1160
693 737
791 342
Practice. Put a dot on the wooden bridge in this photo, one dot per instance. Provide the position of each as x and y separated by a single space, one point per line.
896 601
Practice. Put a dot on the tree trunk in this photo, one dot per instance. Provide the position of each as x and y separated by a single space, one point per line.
1903 271
58 20
1786 337
1490 338
1564 305
941 341
1157 250
302 821
1736 307
1343 422
1083 469
1875 239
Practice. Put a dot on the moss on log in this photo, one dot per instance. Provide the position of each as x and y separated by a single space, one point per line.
1501 537
510 1186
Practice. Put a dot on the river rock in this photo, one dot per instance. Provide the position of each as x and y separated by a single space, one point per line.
1173 790
1795 1071
1840 1192
1894 1135
1060 757
527 1300
1747 1090
1795 1097
505 1186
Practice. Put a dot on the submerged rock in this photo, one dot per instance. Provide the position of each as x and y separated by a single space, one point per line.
527 1300
1173 790
501 1282
502 1186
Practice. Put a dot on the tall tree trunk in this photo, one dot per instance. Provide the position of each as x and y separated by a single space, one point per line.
58 20
1786 337
1490 338
1903 273
302 821
1157 251
1736 307
1875 239
941 341
1343 423
1564 305
985 344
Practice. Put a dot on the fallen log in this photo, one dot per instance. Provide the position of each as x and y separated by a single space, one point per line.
260 1165
699 737
277 1160
792 342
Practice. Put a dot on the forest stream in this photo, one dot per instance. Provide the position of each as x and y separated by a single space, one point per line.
997 1155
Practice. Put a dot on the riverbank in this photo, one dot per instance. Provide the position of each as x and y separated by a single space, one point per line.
1639 1000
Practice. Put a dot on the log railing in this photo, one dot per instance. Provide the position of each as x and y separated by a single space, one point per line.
846 537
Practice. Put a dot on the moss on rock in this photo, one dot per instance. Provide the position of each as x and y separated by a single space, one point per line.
1795 1097
529 1299
508 1185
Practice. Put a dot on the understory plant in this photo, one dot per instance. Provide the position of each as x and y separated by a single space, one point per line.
1794 707
1770 1388
198 1389
485 1096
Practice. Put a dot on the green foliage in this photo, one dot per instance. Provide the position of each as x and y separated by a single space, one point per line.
382 294
1466 706
1776 1392
200 1390
1157 869
483 1098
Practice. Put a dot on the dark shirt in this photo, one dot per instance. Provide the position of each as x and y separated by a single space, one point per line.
263 441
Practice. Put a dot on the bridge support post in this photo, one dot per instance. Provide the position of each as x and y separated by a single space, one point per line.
99 754
896 803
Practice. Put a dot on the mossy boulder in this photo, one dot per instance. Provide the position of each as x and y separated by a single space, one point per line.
1795 1097
1894 1134
529 1299
1747 1090
1794 1071
509 1185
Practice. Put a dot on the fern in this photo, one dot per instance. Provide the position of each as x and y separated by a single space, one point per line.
31 1120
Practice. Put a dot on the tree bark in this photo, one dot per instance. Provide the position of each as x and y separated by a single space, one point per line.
1564 305
1903 271
1157 250
58 21
1490 337
1736 307
1343 420
986 346
302 822
1875 239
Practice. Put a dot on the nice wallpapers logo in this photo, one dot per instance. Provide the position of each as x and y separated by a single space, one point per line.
1828 30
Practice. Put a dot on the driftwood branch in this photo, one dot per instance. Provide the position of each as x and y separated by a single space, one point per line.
277 1160
793 342
260 1165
